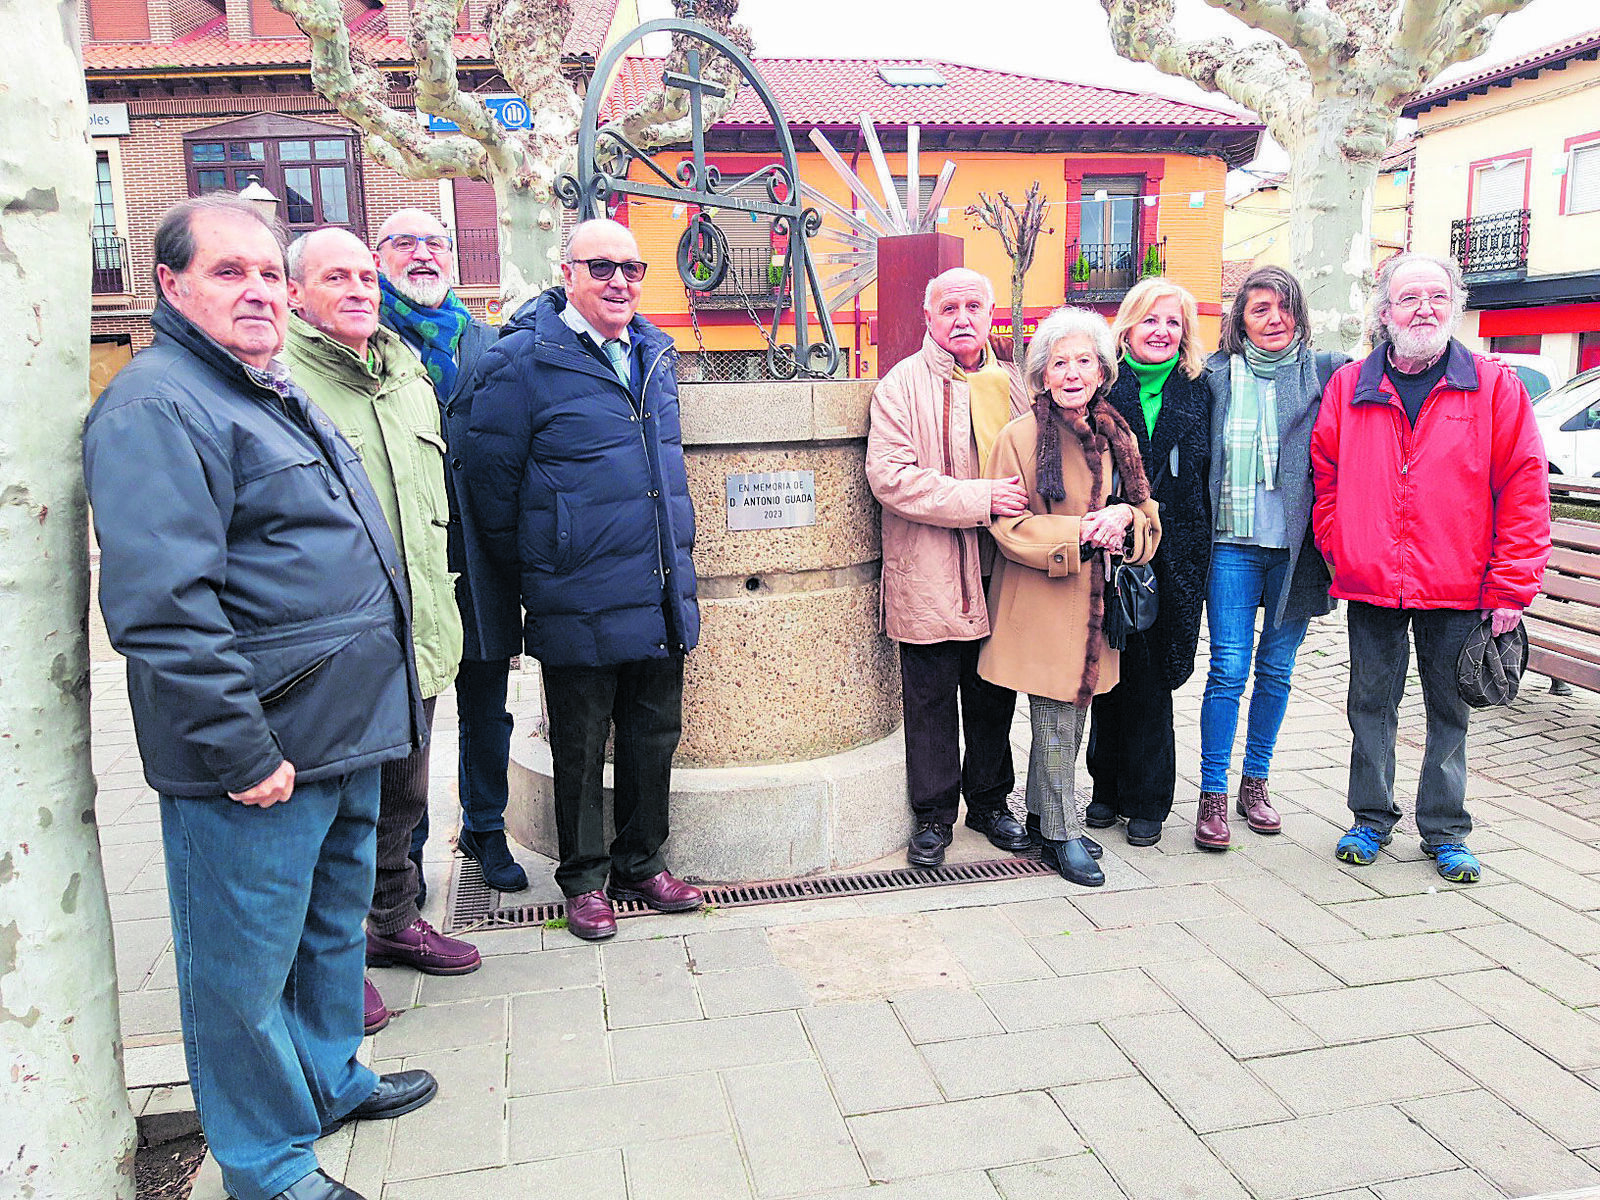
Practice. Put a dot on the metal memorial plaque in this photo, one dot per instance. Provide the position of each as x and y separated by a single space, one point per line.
772 500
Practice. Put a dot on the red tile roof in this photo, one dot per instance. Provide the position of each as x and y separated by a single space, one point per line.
1399 156
1234 272
591 21
836 91
1584 45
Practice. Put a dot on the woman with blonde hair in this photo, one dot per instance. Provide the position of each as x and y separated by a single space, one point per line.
1087 499
1159 392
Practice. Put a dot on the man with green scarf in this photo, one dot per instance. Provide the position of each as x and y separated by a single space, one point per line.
417 273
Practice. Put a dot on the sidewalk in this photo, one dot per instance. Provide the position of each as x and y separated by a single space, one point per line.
1263 1023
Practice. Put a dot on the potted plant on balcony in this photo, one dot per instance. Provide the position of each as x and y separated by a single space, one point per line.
775 276
1152 262
1080 269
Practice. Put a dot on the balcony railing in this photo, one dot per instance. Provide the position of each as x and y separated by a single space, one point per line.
110 265
1104 271
750 278
478 256
1494 246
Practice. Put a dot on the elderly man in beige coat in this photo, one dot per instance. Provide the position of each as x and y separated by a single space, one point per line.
935 417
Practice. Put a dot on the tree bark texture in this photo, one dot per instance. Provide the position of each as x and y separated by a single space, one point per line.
68 1127
1329 85
522 165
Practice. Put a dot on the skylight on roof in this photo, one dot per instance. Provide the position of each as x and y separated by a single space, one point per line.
911 76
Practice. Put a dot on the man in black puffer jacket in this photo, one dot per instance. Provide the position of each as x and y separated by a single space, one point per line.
248 575
574 466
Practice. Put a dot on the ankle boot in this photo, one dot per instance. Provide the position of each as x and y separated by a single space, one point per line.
1071 860
1211 822
1255 808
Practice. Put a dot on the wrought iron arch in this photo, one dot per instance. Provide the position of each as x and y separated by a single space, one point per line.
702 250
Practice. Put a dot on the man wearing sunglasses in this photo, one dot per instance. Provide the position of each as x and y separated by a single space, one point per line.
573 463
417 270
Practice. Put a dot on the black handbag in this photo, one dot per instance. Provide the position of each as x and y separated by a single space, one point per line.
1131 601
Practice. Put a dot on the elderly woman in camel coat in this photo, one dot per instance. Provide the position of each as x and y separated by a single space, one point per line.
1087 498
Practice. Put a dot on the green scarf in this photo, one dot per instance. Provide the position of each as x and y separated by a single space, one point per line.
1250 440
434 333
1152 378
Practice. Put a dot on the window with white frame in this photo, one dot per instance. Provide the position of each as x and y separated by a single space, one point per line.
1583 179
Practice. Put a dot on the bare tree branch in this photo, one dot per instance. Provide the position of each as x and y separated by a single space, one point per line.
357 90
662 119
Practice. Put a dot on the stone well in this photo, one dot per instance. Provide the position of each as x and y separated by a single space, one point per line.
791 761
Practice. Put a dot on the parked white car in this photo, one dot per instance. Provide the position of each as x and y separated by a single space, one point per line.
1538 372
1569 422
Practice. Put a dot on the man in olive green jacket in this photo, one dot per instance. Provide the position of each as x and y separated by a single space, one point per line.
378 393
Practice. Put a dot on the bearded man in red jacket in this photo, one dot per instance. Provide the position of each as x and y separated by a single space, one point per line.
1433 511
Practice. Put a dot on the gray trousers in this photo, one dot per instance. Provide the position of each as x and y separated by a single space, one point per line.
1379 657
1052 765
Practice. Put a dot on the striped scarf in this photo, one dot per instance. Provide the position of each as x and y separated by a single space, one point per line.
1250 439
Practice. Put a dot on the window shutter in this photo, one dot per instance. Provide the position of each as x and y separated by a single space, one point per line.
1499 187
1583 179
477 235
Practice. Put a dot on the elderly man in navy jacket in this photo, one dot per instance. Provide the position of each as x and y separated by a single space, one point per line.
574 466
249 577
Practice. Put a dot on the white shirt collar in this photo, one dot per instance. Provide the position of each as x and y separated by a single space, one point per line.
578 323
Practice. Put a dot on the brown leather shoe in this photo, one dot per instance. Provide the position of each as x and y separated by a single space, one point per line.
661 891
376 1013
423 947
1255 808
589 916
1211 823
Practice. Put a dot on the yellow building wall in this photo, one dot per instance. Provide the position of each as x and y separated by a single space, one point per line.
1256 227
1193 238
1537 115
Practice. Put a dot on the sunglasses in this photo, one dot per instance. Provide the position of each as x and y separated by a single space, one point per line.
438 243
603 268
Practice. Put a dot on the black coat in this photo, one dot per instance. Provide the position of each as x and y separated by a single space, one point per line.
1182 436
581 490
486 593
246 572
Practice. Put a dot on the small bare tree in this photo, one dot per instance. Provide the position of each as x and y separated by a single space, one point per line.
1019 234
68 1128
522 165
1329 84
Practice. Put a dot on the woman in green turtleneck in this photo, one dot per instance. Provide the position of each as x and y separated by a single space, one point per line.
1132 753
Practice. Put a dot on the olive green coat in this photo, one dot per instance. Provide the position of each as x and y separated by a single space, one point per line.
391 417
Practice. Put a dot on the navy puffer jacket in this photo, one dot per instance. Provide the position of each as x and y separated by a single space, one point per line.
580 488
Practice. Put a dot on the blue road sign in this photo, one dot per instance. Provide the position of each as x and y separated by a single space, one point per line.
511 111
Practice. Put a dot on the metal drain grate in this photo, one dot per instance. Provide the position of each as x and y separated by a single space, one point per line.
471 905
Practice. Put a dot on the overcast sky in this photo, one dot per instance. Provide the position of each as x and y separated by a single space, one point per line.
1063 39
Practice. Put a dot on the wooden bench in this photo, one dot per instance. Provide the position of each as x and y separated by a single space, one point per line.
1564 620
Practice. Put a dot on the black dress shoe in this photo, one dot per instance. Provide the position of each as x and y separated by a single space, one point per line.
1072 862
395 1095
999 826
1093 847
1143 832
317 1186
928 844
1099 815
1036 838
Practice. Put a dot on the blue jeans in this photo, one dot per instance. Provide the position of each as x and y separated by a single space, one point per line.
1245 580
267 905
484 741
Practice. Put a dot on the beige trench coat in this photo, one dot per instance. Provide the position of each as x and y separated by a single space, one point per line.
1039 595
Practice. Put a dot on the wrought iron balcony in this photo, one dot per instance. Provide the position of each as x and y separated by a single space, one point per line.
751 279
1493 246
110 265
1104 271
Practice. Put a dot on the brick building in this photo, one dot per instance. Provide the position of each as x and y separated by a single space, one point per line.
190 96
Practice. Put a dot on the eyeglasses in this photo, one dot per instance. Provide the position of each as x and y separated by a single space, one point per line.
405 243
1410 302
603 268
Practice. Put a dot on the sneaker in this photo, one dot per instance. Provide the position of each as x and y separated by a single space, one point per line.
1455 862
1360 846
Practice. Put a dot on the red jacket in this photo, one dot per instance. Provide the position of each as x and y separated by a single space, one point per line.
1452 514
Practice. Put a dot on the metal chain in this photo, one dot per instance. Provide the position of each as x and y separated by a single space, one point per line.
694 320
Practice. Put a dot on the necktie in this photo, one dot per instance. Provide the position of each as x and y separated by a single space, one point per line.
618 354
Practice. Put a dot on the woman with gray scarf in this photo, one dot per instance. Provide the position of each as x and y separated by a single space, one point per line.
1265 390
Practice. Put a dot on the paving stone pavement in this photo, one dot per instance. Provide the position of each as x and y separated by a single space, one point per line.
1263 1023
